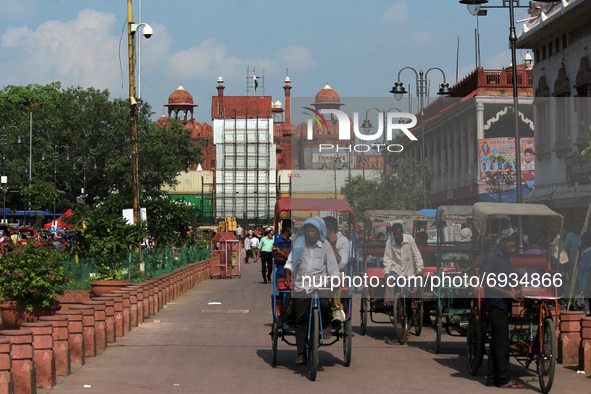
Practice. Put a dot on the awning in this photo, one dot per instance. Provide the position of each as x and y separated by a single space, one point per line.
509 195
482 210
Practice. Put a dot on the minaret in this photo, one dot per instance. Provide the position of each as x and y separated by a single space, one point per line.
287 123
220 95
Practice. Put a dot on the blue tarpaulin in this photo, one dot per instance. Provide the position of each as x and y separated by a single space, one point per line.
509 195
430 213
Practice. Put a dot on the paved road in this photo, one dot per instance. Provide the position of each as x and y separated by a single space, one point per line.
195 346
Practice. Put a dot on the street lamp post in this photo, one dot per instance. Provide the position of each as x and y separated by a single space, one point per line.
421 83
32 106
367 126
473 7
335 160
84 161
4 180
55 150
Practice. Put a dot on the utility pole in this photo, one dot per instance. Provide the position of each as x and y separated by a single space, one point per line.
133 112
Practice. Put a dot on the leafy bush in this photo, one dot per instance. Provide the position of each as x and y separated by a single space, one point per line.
31 273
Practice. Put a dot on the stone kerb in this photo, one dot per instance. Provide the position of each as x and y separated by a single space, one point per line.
126 311
21 353
61 348
6 383
75 335
109 317
585 348
43 358
100 325
570 337
140 302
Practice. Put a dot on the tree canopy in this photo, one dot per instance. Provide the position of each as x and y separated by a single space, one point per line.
90 128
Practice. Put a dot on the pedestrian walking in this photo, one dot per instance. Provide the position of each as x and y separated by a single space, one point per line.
254 247
247 249
267 256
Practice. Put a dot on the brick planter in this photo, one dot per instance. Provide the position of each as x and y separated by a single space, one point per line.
61 348
75 335
118 299
73 297
126 311
109 317
570 337
43 353
21 353
6 383
88 328
100 325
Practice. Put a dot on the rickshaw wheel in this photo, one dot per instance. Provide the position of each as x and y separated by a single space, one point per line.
313 346
475 342
399 318
347 342
547 356
417 316
363 311
274 339
438 332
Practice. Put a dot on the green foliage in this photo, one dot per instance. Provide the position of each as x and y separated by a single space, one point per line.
105 237
93 124
169 221
397 190
32 273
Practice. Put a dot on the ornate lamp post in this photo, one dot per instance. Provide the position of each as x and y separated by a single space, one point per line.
84 161
367 126
421 83
56 150
336 162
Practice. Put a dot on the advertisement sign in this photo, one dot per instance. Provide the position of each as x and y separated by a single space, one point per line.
505 147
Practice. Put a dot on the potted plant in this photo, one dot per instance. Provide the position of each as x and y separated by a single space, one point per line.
31 280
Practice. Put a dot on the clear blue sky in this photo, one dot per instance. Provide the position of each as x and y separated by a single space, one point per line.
357 47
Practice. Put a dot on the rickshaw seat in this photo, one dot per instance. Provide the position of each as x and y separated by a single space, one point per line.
281 285
534 261
375 272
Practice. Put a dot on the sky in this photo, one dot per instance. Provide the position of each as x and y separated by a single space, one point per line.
356 47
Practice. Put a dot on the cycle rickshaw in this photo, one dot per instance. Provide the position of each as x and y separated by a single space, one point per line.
373 298
454 258
283 326
531 324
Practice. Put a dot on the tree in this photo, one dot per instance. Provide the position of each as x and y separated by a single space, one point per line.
93 125
502 178
394 191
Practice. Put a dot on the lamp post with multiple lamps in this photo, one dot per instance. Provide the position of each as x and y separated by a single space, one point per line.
367 126
4 141
84 161
336 161
422 91
56 150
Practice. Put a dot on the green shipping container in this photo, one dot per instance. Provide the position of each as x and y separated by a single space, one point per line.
203 204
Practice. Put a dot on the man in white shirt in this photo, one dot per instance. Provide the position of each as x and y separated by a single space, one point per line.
311 257
254 247
402 255
247 246
340 247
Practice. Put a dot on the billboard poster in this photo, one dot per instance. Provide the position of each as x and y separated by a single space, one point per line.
505 147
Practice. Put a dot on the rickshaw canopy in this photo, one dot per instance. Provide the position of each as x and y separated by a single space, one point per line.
385 215
224 237
482 210
312 204
453 212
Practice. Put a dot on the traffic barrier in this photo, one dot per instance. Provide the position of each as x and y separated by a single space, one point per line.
100 324
6 383
21 354
43 357
126 311
133 320
109 317
75 335
570 337
61 348
87 328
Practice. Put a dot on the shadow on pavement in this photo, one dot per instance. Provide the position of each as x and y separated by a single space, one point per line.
286 359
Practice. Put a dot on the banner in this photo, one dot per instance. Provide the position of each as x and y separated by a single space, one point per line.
505 147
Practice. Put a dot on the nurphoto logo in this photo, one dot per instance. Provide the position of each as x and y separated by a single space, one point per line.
395 122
